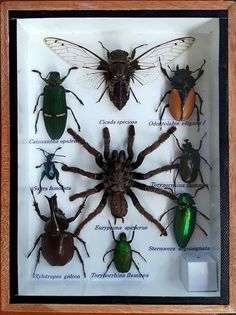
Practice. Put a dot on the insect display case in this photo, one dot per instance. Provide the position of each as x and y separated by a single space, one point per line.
117 156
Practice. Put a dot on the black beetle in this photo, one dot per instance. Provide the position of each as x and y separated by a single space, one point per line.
182 96
50 170
123 253
189 166
54 104
57 245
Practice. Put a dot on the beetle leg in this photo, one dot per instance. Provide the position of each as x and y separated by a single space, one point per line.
155 190
89 148
102 95
201 101
83 242
162 99
37 102
39 73
200 173
72 68
57 179
147 215
206 217
202 229
88 192
200 144
163 70
166 213
152 147
71 219
99 209
177 173
37 260
111 250
198 117
112 232
137 267
162 114
80 171
35 244
36 121
178 144
132 237
42 176
68 91
74 117
155 172
108 267
134 251
134 96
81 260
206 162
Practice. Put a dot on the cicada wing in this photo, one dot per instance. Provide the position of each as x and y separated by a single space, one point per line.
81 57
147 65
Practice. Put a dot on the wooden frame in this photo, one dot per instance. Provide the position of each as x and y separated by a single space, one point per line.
5 154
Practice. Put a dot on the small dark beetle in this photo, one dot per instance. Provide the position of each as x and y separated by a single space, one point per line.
57 245
50 170
123 253
185 215
182 96
189 166
54 104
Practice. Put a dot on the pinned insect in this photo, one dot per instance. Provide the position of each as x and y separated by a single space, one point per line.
120 67
50 170
189 167
182 97
57 244
123 253
185 215
118 176
54 104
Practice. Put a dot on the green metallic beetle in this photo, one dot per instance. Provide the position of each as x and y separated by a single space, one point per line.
123 253
54 104
185 215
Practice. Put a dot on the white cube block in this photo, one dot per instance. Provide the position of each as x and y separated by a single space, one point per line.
199 272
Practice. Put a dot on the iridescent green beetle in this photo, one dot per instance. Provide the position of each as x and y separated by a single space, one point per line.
185 215
54 104
123 253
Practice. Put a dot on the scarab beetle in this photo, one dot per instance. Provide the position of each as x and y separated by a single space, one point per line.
189 166
50 170
185 215
122 253
182 96
54 104
57 244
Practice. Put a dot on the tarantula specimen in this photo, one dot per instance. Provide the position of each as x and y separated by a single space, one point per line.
118 177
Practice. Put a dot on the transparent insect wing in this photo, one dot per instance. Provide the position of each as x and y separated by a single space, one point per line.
74 54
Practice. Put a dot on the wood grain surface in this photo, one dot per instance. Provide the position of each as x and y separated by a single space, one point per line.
8 308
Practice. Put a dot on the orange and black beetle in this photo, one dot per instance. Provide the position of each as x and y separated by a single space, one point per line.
182 96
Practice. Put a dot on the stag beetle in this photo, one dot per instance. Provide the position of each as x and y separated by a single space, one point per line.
182 96
57 245
50 170
189 166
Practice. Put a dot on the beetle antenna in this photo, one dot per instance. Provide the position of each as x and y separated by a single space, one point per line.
43 151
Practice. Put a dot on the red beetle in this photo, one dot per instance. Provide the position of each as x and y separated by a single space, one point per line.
182 97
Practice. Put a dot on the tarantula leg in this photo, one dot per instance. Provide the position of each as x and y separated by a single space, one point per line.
88 192
155 190
130 143
155 172
106 137
88 147
147 215
77 170
152 147
99 209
